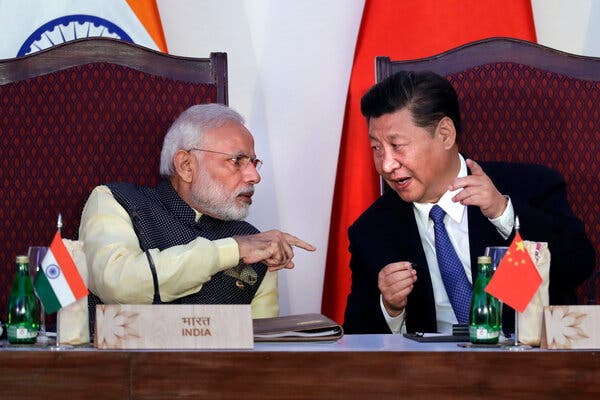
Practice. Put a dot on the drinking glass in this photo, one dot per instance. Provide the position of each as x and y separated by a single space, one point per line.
36 255
496 252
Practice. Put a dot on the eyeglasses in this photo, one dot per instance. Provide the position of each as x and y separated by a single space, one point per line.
240 160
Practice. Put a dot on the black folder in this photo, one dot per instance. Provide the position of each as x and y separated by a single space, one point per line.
297 328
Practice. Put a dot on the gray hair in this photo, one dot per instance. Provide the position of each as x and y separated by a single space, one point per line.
188 129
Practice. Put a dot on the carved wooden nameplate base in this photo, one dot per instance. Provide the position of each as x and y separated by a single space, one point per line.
571 327
173 326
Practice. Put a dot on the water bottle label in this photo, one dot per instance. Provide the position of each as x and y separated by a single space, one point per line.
21 332
482 333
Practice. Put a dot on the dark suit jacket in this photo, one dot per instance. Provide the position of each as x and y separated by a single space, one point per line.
387 232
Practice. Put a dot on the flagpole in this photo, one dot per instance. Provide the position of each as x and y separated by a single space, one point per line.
59 224
516 346
517 227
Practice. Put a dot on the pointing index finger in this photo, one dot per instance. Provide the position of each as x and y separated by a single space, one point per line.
294 241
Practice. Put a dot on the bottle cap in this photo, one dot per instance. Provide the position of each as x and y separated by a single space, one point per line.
22 259
484 260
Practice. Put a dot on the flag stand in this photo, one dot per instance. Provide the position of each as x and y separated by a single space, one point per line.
516 346
59 225
57 346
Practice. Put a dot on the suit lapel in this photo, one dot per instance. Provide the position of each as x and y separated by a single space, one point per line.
407 236
421 314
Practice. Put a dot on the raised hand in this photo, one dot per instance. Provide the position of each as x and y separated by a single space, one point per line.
479 190
273 248
395 283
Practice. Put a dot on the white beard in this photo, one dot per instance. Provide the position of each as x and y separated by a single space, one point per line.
211 199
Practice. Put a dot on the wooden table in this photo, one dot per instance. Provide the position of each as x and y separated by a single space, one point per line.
356 367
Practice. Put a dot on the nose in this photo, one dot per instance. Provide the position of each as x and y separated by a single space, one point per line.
389 163
251 174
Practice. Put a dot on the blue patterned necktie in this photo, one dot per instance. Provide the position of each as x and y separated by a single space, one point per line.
453 273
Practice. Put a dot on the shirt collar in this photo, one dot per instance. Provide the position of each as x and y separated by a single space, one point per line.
455 210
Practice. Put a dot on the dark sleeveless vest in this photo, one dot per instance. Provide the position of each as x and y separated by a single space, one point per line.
162 219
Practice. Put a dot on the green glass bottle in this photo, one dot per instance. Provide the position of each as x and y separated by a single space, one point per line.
486 317
23 311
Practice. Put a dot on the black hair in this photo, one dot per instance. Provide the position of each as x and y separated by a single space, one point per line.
428 96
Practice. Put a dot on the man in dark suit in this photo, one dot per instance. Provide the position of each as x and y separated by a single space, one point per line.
398 282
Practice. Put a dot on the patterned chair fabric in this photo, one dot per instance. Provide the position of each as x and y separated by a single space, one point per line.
82 114
524 102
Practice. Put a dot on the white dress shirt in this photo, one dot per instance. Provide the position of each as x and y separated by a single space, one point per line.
457 226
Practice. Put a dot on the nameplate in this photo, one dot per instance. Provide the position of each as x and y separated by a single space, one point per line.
571 327
173 326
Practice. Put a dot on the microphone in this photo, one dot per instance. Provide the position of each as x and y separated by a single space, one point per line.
135 219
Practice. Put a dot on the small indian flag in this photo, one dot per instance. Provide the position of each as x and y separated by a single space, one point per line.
58 282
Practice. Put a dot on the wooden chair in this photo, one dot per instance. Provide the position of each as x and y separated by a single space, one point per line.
524 102
81 114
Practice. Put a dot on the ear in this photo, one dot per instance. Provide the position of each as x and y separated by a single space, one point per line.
446 131
184 165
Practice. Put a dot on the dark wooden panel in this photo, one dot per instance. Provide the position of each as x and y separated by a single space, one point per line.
314 375
494 50
64 375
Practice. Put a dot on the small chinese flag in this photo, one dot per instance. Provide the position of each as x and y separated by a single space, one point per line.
516 279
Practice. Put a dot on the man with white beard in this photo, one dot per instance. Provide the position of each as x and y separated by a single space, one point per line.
185 241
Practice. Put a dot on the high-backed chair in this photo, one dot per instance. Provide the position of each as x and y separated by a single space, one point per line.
81 114
524 102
